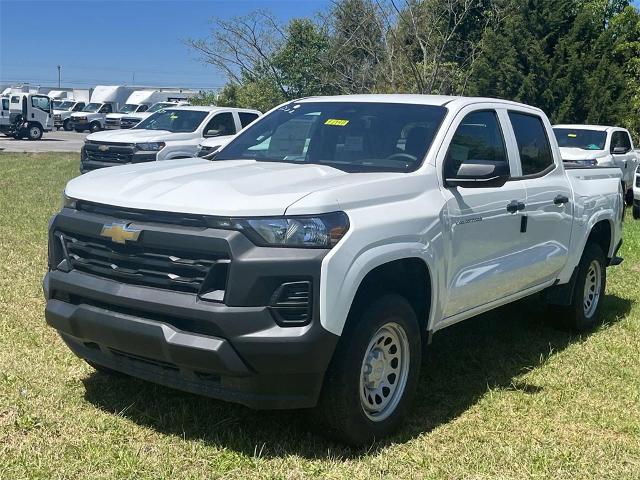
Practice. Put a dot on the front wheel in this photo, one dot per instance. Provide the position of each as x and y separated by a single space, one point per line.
67 126
78 130
34 132
373 376
95 127
628 197
583 313
636 212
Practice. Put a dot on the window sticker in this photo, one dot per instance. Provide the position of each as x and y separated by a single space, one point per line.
336 122
173 116
572 135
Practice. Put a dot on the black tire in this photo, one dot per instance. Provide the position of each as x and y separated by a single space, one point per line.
94 127
66 125
636 212
34 132
340 410
628 197
577 316
78 130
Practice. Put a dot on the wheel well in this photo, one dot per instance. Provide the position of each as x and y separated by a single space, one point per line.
601 235
408 277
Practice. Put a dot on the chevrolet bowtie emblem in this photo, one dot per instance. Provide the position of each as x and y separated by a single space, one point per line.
120 232
103 148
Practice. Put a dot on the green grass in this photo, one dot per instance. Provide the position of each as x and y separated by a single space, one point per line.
504 395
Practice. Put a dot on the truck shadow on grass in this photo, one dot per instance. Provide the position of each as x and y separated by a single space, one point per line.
464 361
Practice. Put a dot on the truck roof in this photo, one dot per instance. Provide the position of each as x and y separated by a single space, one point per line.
415 99
209 108
601 128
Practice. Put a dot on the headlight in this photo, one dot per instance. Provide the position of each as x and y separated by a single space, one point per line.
68 202
150 147
318 231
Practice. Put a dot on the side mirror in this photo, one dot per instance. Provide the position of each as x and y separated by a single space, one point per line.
619 150
480 174
212 133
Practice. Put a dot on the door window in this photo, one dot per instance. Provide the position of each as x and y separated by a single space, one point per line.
79 106
478 137
220 125
533 144
620 139
246 118
41 103
106 108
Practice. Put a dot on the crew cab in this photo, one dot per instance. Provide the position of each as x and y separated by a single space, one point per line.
209 146
168 134
600 146
310 262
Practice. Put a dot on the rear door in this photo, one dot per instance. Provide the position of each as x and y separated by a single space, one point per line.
548 215
481 231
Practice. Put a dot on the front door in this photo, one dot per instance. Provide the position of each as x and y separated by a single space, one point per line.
481 225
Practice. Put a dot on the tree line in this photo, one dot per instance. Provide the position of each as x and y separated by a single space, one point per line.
578 60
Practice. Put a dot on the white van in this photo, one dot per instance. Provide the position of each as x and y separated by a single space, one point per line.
139 102
105 99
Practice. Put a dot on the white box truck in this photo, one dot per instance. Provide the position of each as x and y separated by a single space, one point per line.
139 102
105 99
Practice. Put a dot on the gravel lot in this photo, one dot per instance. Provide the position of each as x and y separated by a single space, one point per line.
55 141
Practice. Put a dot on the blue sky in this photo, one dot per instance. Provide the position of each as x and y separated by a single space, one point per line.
108 41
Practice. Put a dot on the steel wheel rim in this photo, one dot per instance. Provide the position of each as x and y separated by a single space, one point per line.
34 131
592 286
384 372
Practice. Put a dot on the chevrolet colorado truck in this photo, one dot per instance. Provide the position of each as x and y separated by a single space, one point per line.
167 134
600 145
308 264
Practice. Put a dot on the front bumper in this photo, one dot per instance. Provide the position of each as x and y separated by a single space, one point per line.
118 154
218 349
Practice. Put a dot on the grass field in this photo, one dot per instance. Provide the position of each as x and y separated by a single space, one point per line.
504 395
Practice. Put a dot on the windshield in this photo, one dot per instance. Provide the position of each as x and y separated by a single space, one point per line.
175 121
92 107
129 108
56 104
355 137
63 105
580 138
160 106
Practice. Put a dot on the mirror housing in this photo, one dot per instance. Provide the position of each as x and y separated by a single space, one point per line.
619 150
480 174
212 133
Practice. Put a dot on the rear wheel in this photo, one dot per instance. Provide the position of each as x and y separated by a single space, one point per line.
583 313
373 376
78 130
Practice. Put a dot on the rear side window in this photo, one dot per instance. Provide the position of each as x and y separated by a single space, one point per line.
533 144
478 137
223 123
246 118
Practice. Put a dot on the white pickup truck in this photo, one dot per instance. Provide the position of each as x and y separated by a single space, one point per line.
602 146
636 192
168 134
309 263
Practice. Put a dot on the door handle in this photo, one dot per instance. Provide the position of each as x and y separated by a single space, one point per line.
560 199
515 206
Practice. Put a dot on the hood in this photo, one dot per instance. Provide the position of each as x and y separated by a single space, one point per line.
241 187
572 154
138 135
116 115
86 114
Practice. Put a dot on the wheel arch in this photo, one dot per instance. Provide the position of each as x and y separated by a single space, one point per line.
408 276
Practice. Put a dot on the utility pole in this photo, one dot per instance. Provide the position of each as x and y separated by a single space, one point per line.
59 66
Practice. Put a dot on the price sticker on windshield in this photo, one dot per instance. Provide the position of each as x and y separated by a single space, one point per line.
336 122
572 135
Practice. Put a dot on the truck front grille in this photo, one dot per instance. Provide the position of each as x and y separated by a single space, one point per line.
177 269
108 152
112 122
129 122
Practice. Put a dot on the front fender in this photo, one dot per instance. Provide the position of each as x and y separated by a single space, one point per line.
341 277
